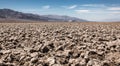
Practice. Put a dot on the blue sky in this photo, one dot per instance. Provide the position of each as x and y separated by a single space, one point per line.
93 10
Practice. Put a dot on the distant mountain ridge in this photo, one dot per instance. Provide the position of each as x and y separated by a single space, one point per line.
11 14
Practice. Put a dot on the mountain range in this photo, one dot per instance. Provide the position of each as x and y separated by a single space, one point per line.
12 14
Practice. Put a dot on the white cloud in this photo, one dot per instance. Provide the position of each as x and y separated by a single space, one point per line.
114 8
116 12
94 5
97 12
82 11
72 7
46 7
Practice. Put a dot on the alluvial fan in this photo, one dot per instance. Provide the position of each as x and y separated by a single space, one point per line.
59 44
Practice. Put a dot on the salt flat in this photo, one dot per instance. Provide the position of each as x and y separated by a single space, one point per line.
59 44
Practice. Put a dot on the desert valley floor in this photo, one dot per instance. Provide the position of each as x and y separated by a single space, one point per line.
60 44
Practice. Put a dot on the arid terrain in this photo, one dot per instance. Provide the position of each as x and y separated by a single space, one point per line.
60 44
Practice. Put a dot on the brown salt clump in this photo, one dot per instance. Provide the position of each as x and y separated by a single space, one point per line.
57 65
94 62
34 60
113 43
38 47
83 62
5 51
21 58
76 61
63 53
0 47
96 55
7 64
35 54
113 57
51 60
113 46
45 49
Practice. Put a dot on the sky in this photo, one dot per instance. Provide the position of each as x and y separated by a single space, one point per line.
92 10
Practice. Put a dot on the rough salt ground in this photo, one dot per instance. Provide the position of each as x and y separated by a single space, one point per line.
59 44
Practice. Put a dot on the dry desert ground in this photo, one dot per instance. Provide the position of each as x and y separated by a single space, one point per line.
59 44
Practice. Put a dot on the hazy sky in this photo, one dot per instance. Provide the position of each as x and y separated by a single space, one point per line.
94 10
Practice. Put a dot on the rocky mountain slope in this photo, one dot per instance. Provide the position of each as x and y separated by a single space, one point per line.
11 14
